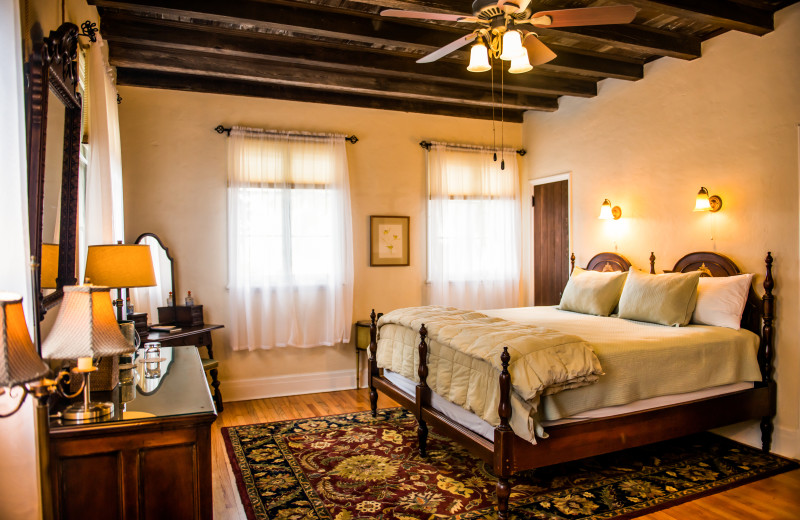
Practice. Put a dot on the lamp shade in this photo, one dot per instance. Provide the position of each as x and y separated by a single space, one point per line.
120 265
512 45
605 211
49 266
85 326
702 203
520 64
478 59
19 362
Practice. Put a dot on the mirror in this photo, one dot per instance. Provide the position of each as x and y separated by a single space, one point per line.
53 117
149 299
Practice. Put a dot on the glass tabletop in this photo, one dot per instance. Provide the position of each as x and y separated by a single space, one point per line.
173 384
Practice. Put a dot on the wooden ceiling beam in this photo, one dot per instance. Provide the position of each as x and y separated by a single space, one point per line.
293 75
372 31
135 30
729 15
193 83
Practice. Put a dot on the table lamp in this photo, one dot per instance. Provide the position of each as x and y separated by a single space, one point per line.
49 264
120 266
85 328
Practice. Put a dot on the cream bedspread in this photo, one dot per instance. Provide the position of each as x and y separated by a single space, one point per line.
464 360
643 360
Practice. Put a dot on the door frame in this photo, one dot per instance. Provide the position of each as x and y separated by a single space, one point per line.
558 177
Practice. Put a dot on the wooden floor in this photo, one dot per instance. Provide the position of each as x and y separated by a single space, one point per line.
775 498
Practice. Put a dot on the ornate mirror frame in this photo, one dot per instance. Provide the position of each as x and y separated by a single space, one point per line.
53 69
165 250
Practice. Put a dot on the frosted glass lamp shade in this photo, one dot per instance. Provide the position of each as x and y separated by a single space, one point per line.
120 265
19 362
512 46
609 213
702 203
85 326
49 269
520 64
478 59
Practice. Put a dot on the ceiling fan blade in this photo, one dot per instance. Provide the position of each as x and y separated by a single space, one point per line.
611 14
422 15
447 49
538 52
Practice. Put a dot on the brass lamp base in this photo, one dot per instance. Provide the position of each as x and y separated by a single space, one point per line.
80 412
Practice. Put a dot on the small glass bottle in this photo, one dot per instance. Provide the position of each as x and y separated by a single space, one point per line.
169 299
189 299
128 306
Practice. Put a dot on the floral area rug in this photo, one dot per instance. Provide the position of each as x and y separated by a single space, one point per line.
351 466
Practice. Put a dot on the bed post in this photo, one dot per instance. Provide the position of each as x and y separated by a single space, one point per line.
652 263
423 391
571 263
373 362
765 351
503 440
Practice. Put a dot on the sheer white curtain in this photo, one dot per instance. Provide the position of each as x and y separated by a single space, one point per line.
290 245
103 212
473 228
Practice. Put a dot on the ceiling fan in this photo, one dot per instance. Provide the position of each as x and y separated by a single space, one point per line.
497 21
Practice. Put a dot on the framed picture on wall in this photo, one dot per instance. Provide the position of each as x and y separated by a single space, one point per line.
388 241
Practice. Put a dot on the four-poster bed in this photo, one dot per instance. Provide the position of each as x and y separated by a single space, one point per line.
508 453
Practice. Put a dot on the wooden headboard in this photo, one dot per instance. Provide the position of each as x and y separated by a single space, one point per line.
610 262
715 264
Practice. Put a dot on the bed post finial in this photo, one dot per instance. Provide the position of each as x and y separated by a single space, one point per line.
765 350
652 262
423 392
373 362
571 263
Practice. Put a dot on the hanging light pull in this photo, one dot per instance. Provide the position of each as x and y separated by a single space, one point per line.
495 156
503 164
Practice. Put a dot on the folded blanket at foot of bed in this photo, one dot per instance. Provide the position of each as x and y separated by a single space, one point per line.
464 350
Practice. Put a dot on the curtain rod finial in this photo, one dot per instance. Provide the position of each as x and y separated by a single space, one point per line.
220 129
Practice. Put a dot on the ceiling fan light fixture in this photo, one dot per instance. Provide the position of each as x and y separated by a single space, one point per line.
520 64
478 58
512 45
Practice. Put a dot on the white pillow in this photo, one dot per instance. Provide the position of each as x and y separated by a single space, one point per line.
721 300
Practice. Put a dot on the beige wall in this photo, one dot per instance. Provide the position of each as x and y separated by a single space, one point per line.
174 168
728 121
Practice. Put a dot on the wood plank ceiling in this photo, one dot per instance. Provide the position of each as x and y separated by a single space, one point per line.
342 52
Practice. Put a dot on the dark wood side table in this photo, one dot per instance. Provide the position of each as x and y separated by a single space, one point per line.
150 459
198 336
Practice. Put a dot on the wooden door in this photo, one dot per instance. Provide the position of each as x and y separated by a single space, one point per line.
550 241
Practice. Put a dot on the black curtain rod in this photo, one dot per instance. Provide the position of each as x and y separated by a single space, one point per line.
220 129
427 146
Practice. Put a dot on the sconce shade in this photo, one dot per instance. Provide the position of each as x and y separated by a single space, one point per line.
520 64
49 266
19 362
512 45
120 265
85 325
701 203
478 59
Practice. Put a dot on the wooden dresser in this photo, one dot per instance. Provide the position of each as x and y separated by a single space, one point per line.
151 459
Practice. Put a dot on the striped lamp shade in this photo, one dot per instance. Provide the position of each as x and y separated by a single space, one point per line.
19 362
85 326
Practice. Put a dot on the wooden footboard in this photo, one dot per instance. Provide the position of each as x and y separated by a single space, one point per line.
509 453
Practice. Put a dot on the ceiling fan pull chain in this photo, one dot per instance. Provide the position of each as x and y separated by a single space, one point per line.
494 135
502 124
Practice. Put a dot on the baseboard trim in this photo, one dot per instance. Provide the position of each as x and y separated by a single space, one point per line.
295 384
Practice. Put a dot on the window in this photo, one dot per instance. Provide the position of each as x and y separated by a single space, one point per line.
473 229
290 244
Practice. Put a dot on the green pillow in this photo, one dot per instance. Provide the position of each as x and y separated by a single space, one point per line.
592 292
668 299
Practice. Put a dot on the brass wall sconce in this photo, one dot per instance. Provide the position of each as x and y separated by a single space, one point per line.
704 202
609 213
